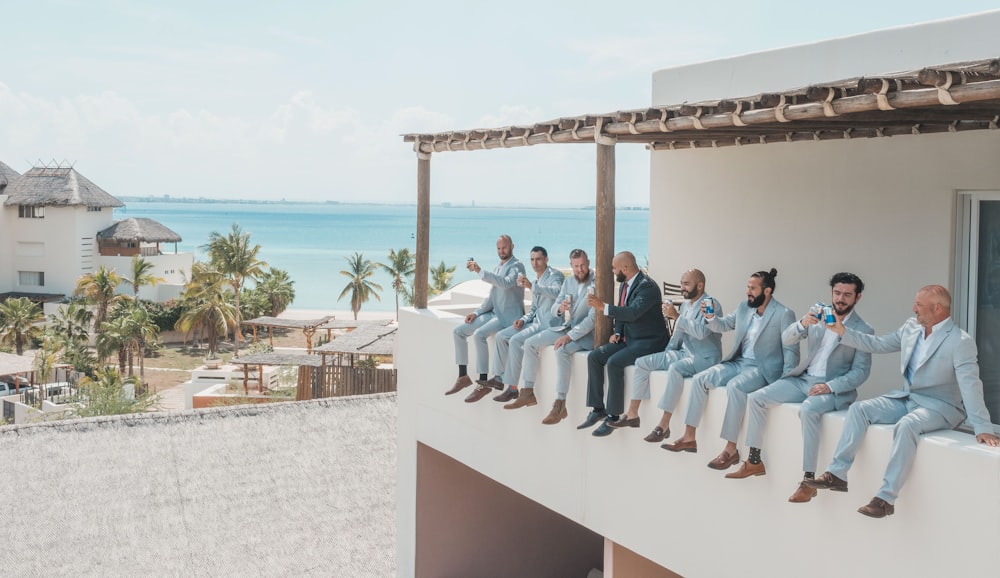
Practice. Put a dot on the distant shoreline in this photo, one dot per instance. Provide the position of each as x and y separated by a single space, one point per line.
447 205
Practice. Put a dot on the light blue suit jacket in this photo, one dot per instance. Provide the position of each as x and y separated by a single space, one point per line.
506 299
846 368
774 358
581 318
543 294
693 336
948 379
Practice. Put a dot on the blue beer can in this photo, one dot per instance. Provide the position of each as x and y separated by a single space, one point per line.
828 317
709 305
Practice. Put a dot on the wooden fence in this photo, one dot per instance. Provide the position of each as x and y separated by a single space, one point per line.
340 380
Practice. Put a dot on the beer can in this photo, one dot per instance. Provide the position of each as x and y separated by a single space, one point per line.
709 305
817 310
828 317
568 314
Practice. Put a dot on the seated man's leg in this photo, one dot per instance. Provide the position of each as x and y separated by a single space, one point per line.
788 390
532 350
749 380
515 353
564 363
461 335
905 437
859 417
647 364
811 414
715 376
480 337
596 361
501 348
616 377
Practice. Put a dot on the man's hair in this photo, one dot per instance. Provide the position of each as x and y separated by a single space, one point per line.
577 253
767 278
537 249
699 277
850 279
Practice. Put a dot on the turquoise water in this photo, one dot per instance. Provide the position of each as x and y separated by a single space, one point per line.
311 241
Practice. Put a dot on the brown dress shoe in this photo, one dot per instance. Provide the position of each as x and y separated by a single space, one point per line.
525 396
507 395
803 494
657 435
491 382
557 414
460 384
877 508
724 461
746 470
682 446
827 481
479 393
623 422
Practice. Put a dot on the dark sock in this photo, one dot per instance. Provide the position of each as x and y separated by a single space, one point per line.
809 476
754 456
482 376
463 370
613 417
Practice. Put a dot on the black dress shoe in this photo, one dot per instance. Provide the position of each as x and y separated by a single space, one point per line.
605 428
592 418
827 481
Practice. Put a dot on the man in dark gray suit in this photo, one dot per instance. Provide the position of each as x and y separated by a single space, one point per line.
639 330
941 386
826 379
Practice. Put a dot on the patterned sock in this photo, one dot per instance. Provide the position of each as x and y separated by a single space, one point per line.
754 456
809 476
463 370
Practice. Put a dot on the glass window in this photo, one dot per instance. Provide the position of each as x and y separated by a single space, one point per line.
31 278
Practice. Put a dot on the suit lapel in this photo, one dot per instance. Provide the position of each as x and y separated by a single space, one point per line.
946 330
909 343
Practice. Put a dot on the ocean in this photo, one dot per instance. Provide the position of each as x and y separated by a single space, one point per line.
311 241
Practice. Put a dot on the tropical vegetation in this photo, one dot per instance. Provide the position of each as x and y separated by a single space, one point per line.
235 258
400 267
19 318
360 287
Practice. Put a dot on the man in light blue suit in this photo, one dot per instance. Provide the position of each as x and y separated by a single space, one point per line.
693 347
941 386
825 380
758 358
570 336
500 309
508 346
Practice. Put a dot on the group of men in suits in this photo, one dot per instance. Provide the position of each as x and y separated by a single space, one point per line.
763 369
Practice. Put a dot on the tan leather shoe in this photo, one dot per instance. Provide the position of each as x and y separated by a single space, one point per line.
460 384
803 494
557 414
682 446
525 397
746 470
479 393
491 382
877 508
724 461
507 395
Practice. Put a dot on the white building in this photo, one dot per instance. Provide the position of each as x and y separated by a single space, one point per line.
891 174
56 225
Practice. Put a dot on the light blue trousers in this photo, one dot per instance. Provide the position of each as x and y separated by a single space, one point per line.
564 358
911 420
740 377
481 328
678 365
508 351
793 390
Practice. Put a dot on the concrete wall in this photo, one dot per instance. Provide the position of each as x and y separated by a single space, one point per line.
173 268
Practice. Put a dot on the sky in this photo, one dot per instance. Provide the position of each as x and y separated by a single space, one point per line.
307 100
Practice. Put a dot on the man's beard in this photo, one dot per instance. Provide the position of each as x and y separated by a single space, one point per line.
686 294
583 277
620 277
844 311
757 301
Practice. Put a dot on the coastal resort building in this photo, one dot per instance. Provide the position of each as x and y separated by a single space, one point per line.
56 225
876 154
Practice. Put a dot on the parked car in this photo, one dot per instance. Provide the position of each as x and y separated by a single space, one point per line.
9 387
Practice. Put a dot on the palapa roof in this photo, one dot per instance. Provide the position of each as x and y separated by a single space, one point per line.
277 359
281 322
139 229
62 186
7 175
371 339
942 98
10 363
281 489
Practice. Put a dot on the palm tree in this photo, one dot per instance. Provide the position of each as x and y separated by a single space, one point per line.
441 278
206 305
113 337
140 330
140 271
72 323
400 267
277 289
361 289
100 288
19 317
106 394
234 257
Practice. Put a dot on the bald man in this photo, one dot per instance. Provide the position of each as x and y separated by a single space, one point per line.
639 330
941 386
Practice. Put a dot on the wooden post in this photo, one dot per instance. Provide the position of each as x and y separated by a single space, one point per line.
422 267
605 246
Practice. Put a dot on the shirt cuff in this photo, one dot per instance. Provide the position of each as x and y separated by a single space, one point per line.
606 306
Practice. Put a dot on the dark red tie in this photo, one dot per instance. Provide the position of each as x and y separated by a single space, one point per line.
621 298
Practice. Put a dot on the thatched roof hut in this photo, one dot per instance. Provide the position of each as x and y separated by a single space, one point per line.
138 229
7 175
60 186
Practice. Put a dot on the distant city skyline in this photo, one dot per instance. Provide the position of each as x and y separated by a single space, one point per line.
306 102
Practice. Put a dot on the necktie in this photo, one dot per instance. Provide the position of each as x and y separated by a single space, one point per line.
621 298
